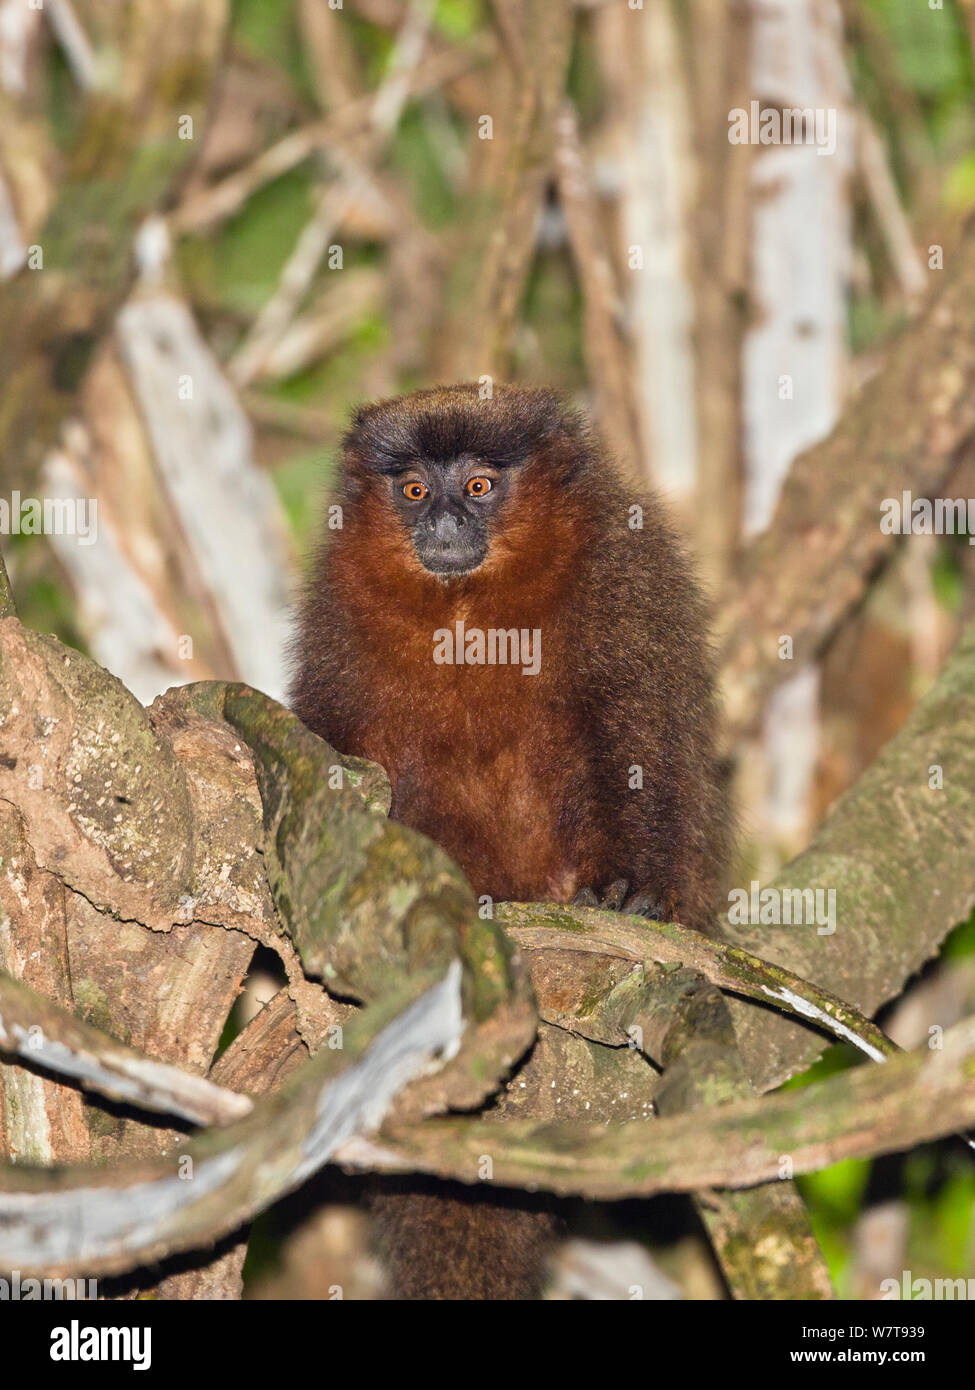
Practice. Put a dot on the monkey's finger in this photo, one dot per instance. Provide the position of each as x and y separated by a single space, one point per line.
615 895
641 904
585 898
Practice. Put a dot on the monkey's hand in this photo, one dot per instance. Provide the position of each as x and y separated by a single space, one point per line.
618 898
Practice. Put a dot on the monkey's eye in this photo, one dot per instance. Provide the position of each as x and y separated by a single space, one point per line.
414 490
478 487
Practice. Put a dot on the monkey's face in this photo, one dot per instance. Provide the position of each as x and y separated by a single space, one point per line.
448 509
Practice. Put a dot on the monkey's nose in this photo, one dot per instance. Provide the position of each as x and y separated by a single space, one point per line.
446 525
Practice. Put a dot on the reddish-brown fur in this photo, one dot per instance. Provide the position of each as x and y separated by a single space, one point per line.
526 780
503 745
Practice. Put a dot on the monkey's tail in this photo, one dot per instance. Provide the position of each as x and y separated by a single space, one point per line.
450 1241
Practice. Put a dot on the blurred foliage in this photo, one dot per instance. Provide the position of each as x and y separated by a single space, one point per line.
912 69
936 1182
236 268
268 31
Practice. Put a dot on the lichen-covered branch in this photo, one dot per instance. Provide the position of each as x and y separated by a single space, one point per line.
252 799
761 1236
269 832
897 852
583 996
911 1099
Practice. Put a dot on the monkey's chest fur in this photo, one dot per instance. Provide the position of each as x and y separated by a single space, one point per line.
490 763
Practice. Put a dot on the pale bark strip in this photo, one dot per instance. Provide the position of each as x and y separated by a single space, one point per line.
26 147
604 342
128 632
652 146
144 606
789 751
225 506
34 1028
801 249
795 349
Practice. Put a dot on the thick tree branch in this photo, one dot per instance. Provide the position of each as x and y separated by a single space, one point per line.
569 997
109 1219
38 1031
761 1236
896 851
912 1099
904 431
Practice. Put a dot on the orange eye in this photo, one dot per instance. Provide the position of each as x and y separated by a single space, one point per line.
478 487
414 490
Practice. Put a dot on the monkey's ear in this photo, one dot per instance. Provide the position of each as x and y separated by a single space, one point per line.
358 422
361 414
381 438
547 411
557 416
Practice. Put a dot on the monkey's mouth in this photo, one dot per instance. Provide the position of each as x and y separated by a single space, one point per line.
446 559
445 563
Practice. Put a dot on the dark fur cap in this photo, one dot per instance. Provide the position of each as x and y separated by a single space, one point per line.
435 426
